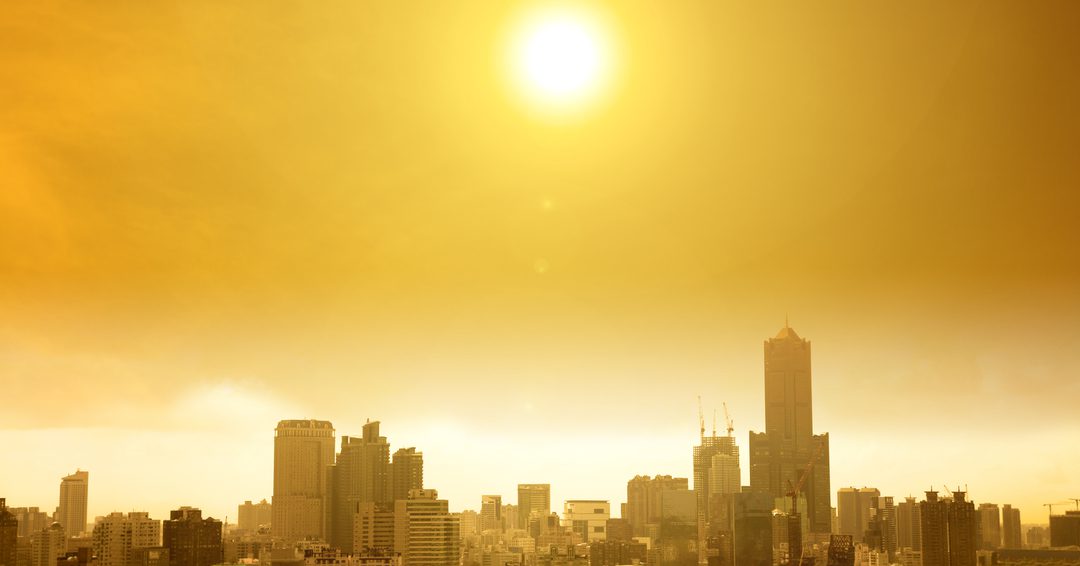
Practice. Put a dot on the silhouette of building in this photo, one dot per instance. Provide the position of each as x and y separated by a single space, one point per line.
587 518
47 545
1065 529
643 500
361 475
251 516
880 534
116 535
752 535
406 472
490 513
303 454
948 530
192 540
74 493
908 527
31 519
1010 527
9 535
425 532
780 455
533 503
853 510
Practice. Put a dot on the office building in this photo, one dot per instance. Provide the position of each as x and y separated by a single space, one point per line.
253 516
853 510
490 513
192 540
47 545
361 475
74 492
425 532
1010 527
373 529
533 503
989 519
406 472
644 499
752 534
841 551
303 454
948 530
116 535
908 527
587 518
1065 529
784 452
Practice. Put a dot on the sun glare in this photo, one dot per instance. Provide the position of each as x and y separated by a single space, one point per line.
560 58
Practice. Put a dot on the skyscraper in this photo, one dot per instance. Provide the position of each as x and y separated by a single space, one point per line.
9 535
74 492
1010 527
192 540
303 452
989 518
534 501
361 475
490 513
908 527
425 533
853 510
406 472
948 530
47 545
250 516
962 530
780 455
116 535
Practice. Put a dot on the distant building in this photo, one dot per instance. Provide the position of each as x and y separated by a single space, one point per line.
47 545
149 556
781 454
373 529
989 518
1037 537
533 503
303 454
841 551
192 540
252 516
908 527
587 517
752 535
1065 529
360 475
490 513
949 530
406 472
854 509
9 535
643 499
31 519
425 533
615 553
468 523
74 493
116 535
1010 527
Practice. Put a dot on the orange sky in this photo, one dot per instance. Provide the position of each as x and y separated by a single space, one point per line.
216 216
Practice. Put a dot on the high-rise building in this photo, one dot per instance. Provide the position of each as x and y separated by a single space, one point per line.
71 513
425 532
31 519
989 518
406 472
1010 527
1065 529
251 516
9 535
753 538
373 529
841 551
587 517
191 539
643 499
361 475
881 529
534 503
948 530
490 513
784 452
116 535
853 510
716 475
303 454
47 545
908 527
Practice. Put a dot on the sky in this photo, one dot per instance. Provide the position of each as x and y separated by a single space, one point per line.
216 216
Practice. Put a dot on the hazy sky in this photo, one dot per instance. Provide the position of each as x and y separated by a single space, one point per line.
213 217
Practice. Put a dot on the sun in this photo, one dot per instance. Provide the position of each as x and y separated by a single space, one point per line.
561 57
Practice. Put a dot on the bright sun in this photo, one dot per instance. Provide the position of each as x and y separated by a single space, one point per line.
560 58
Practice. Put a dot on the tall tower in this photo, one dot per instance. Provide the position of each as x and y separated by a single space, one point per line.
74 490
534 500
780 455
361 475
303 452
406 472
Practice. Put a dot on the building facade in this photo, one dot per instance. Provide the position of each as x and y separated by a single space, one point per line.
534 503
361 475
116 535
9 535
303 454
74 494
587 518
425 532
192 540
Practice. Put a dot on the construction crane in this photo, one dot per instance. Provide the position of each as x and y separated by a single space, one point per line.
797 487
730 423
1076 500
1051 505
